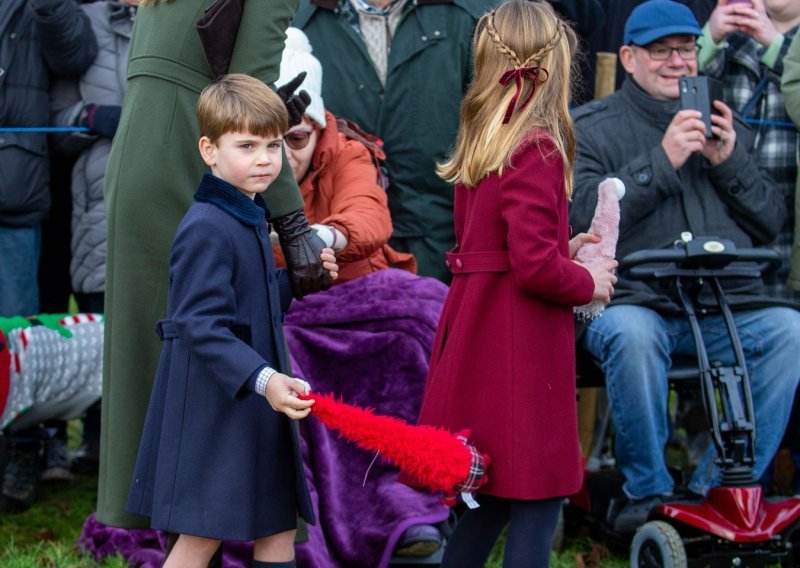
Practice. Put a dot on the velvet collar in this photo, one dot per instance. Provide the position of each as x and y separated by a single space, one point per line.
235 203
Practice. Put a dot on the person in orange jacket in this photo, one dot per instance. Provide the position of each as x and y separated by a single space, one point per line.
338 177
336 166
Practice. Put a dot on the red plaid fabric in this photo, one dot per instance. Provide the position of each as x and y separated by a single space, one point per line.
477 471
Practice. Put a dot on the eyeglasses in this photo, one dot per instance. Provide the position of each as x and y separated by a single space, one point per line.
661 52
297 139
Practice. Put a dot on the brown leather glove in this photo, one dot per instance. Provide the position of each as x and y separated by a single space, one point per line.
302 248
296 103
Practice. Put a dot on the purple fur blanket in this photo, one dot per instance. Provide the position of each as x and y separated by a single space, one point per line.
368 341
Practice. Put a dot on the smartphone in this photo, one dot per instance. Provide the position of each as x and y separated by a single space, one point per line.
697 93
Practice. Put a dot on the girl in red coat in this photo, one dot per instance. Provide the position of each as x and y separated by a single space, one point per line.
503 363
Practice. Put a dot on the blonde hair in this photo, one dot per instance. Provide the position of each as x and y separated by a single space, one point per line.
518 35
240 103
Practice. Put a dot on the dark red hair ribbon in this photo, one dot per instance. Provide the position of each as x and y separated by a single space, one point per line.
519 75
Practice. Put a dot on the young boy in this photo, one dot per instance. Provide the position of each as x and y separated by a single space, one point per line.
214 462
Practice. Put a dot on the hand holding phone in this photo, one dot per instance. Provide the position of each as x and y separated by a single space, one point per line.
697 93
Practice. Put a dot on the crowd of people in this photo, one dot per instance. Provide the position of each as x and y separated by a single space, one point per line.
440 149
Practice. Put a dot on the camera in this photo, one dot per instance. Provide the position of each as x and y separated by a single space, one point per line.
697 93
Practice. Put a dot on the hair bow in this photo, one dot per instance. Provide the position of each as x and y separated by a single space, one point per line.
519 75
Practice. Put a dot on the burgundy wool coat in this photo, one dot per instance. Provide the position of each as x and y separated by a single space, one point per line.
503 361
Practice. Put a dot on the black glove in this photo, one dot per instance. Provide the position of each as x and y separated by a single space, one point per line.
296 105
101 119
302 248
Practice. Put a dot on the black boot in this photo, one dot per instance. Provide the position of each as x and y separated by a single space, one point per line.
301 247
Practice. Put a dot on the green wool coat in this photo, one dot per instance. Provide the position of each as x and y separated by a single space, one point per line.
152 174
790 85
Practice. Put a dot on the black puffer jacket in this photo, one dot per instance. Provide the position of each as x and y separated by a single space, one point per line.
620 136
37 37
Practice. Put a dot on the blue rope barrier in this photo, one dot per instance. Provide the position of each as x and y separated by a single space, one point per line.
770 122
43 129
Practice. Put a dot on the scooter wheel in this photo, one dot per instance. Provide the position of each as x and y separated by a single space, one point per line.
658 545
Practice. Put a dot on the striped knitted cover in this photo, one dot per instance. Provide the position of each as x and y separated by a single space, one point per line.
50 359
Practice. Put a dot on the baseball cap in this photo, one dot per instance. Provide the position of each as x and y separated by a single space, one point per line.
659 18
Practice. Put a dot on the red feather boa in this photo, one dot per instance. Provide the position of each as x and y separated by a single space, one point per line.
432 457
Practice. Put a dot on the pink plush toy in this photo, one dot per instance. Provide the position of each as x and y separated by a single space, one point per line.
605 224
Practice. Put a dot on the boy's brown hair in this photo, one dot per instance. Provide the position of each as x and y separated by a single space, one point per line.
240 103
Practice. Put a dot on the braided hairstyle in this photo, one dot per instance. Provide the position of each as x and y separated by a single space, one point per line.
511 54
516 36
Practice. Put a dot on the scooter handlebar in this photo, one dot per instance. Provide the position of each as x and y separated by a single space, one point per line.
657 263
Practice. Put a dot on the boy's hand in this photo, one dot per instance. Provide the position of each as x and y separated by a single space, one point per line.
282 391
329 262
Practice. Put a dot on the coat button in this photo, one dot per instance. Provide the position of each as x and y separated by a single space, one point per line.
424 38
447 263
459 263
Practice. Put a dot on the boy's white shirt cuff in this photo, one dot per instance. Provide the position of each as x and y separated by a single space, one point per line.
263 378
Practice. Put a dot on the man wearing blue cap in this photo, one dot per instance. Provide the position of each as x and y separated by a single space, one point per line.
677 180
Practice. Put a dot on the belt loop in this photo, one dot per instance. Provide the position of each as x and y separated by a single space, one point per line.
166 329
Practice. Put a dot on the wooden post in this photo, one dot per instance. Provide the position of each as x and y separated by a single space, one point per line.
605 74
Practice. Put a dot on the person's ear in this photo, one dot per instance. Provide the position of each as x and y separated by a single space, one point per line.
208 151
626 56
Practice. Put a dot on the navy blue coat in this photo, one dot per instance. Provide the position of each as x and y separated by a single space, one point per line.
215 460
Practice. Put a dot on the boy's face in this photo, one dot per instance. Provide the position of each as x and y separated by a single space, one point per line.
246 161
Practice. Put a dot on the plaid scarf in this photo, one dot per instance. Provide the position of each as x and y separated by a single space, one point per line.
740 67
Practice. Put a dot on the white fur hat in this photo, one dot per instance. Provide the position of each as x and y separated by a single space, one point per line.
296 59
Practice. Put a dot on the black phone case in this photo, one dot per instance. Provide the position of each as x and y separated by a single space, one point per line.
697 94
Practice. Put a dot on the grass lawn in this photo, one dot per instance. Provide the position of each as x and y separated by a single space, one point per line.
45 535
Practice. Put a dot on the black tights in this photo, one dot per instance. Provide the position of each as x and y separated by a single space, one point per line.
530 532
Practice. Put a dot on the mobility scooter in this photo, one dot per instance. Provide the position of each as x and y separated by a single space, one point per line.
735 524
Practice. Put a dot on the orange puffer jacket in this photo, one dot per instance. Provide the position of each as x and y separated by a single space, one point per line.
341 189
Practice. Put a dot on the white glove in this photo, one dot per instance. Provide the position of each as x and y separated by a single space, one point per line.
331 236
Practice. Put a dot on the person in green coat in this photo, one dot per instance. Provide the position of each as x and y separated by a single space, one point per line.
150 180
790 85
399 69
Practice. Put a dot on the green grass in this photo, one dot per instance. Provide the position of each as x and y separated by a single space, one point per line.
45 535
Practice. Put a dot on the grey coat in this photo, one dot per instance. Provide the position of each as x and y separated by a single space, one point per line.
620 136
103 84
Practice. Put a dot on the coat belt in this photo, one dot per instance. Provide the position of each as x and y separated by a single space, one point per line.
166 329
466 262
168 70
